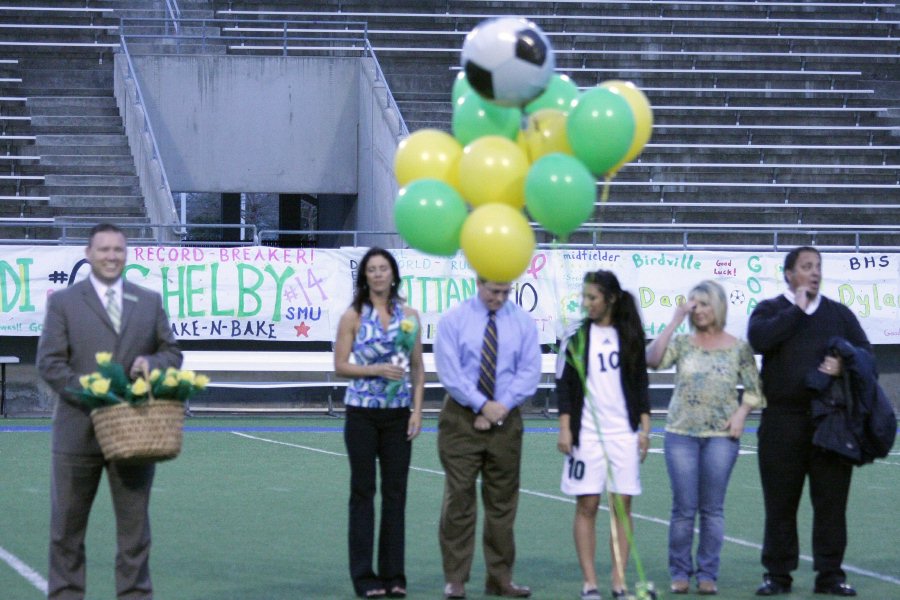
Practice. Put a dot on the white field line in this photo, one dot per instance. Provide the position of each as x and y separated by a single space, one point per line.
567 500
27 573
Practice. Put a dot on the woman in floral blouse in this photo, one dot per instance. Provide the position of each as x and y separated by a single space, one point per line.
387 380
703 428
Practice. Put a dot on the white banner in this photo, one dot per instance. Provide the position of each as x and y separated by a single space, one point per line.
299 294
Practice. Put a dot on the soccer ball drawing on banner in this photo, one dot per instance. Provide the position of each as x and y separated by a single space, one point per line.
507 60
736 297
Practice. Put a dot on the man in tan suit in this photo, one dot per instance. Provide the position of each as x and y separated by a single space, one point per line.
102 313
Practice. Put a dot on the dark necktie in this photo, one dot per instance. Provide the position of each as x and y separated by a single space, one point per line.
488 374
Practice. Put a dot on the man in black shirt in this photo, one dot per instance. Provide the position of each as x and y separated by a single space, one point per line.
792 333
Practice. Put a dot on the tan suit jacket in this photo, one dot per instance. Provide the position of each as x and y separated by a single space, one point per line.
76 328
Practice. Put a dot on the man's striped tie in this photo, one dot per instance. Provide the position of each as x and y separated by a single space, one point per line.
113 310
488 374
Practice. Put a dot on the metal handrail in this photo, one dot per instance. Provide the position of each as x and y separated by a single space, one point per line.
148 127
174 14
265 234
392 103
258 236
181 229
684 231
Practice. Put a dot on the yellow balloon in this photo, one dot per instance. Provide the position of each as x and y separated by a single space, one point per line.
498 242
492 169
643 117
545 133
428 153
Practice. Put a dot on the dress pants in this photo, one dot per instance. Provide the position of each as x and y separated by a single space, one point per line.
377 435
496 455
73 486
786 458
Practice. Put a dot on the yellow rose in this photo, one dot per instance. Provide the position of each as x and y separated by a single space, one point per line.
139 387
406 326
103 358
170 381
200 381
186 376
100 386
154 375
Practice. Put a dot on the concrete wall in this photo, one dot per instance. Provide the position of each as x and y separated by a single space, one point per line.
379 127
276 124
254 124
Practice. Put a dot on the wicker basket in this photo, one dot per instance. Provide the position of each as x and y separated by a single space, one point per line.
147 433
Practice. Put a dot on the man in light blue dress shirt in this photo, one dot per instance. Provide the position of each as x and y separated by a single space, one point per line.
478 435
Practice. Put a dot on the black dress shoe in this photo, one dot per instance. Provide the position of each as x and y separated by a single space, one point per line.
770 587
836 589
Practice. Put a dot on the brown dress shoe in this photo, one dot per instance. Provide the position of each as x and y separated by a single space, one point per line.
510 590
454 591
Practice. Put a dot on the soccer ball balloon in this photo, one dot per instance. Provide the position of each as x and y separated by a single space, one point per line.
508 60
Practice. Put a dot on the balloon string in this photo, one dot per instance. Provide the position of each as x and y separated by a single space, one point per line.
604 195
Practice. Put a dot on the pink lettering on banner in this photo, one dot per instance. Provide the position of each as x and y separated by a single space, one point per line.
537 263
295 256
172 254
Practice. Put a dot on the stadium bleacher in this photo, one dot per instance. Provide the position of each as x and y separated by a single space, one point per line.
775 68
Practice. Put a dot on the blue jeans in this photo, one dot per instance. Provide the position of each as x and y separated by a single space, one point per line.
699 469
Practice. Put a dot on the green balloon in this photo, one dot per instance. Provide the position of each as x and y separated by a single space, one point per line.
561 94
560 193
461 86
429 215
474 117
600 129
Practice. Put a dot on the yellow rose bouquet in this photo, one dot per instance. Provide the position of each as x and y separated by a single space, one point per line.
140 420
109 385
404 343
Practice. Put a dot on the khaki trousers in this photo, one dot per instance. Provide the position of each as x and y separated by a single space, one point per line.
495 455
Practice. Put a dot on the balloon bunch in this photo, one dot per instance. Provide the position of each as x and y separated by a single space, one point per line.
523 137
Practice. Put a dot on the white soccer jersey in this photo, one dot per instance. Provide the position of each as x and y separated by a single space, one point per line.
605 399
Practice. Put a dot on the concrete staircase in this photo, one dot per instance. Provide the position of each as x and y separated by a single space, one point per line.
69 119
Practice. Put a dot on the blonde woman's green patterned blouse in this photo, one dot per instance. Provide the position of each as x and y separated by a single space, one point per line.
705 393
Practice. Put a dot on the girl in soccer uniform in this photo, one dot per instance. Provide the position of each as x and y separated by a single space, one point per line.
604 420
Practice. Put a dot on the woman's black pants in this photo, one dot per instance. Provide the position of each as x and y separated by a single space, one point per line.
375 435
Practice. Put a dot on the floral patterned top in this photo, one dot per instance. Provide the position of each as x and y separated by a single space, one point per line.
705 393
373 345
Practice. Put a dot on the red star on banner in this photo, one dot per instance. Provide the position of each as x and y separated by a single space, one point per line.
302 329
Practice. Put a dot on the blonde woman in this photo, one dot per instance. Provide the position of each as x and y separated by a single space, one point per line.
703 428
